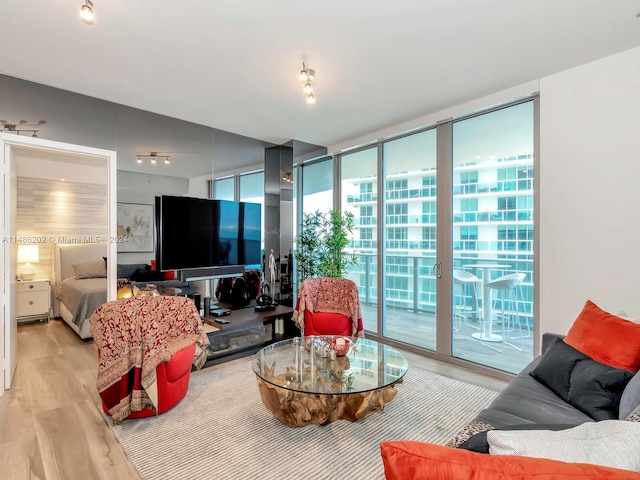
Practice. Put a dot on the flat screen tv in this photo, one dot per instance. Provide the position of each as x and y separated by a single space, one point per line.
202 233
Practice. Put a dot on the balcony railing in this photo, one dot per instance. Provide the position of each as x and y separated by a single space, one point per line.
411 281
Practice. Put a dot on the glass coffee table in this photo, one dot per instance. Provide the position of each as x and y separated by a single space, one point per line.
302 382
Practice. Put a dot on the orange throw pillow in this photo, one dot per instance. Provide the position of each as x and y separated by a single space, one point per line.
407 460
606 338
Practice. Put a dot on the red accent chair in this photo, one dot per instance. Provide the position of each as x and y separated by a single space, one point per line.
329 306
173 382
146 349
326 323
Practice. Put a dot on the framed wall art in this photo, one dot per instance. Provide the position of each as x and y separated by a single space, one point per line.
135 227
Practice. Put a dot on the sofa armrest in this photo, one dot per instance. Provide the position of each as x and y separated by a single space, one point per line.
547 338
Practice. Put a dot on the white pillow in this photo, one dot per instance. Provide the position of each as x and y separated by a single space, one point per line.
611 443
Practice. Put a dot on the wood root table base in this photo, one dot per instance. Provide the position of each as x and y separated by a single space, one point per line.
297 409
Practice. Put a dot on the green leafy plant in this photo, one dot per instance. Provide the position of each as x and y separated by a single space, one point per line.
321 245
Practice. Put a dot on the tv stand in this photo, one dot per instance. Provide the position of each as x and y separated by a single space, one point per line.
247 332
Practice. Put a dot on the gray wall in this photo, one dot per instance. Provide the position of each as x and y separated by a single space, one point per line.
82 120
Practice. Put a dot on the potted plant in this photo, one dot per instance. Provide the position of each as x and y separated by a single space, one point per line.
321 245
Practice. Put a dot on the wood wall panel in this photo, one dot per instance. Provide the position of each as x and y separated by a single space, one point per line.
54 211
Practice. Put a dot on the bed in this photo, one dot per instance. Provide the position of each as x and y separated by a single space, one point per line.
77 296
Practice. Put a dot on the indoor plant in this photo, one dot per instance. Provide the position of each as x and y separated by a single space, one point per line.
321 245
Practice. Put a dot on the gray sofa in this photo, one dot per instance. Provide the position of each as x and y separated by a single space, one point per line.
528 404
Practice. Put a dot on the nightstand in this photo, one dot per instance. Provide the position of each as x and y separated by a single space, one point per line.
34 300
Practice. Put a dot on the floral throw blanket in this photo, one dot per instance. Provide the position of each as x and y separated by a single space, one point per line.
133 337
335 295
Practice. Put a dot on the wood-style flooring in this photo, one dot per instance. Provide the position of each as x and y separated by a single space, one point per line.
51 425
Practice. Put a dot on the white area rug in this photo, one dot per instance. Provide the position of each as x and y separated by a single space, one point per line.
221 430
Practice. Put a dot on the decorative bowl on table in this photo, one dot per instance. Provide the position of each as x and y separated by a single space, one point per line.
341 345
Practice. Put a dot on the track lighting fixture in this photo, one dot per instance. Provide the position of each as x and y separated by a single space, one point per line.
308 75
287 177
153 158
21 127
86 12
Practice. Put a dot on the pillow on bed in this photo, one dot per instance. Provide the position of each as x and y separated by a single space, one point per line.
91 269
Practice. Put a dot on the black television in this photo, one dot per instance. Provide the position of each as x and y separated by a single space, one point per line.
194 233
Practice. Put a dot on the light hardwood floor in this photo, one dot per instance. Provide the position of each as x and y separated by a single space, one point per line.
51 426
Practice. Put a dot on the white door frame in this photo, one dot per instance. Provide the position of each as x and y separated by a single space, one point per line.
8 320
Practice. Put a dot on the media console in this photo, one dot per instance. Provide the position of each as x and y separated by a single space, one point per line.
247 332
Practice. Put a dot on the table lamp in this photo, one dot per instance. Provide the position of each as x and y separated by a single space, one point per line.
28 254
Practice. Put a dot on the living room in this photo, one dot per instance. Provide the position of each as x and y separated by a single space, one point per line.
585 233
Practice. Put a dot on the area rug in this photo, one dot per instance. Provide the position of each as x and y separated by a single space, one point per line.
221 430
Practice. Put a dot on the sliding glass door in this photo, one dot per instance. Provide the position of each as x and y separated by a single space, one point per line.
445 216
359 195
409 204
493 238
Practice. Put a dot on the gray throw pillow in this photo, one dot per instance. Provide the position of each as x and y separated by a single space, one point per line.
90 269
630 399
592 387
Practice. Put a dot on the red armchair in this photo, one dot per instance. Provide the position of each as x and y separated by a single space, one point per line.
146 347
173 382
329 306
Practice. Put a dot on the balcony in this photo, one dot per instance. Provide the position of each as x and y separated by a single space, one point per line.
410 315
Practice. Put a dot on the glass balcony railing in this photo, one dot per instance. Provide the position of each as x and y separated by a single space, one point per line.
410 314
414 277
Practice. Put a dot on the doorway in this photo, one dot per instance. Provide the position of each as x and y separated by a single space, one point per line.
44 159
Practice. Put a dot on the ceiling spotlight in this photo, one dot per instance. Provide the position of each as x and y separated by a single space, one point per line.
166 161
305 73
139 159
86 12
308 75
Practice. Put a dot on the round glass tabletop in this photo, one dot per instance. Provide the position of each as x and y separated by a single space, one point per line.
307 365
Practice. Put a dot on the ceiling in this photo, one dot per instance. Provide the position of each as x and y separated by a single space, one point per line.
234 66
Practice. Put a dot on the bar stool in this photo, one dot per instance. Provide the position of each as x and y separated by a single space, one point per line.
508 292
462 279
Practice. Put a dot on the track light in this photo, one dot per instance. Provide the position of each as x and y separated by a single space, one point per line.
21 127
153 158
287 177
86 12
308 75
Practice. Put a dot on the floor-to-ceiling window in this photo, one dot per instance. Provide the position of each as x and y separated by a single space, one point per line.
223 189
317 186
358 189
493 237
409 242
469 184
